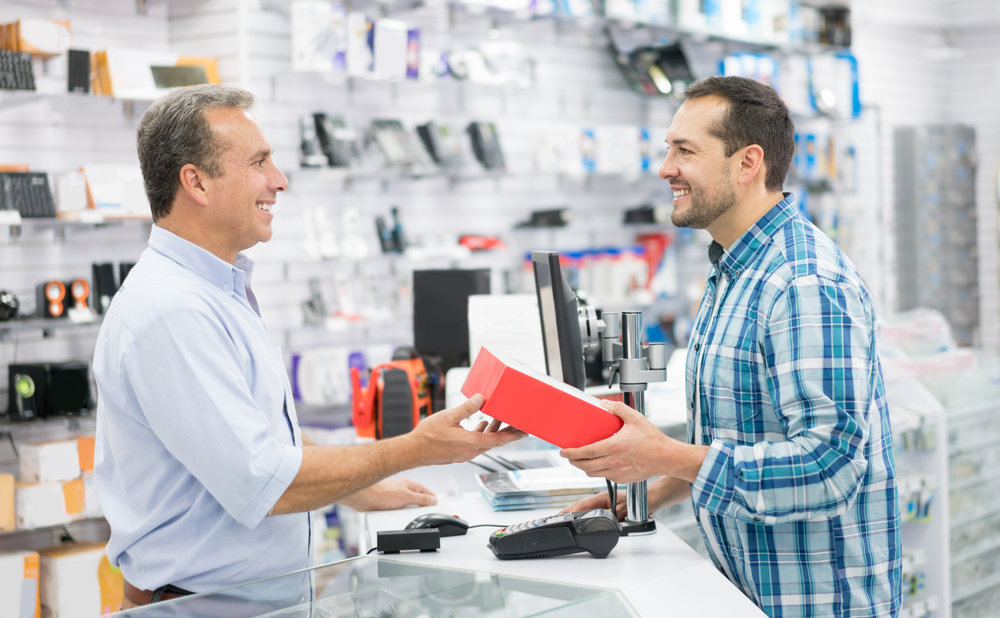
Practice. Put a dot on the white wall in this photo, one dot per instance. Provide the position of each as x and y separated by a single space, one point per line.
935 62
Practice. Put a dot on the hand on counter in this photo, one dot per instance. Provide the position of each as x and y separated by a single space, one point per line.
391 493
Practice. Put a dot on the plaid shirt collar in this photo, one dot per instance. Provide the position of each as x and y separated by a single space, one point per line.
733 262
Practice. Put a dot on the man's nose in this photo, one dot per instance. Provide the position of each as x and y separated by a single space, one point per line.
279 182
667 168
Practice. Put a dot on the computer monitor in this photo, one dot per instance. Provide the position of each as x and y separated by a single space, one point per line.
557 308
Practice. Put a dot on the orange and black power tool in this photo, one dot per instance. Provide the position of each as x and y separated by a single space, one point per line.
397 397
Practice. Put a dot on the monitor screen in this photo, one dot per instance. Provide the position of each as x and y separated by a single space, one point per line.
557 308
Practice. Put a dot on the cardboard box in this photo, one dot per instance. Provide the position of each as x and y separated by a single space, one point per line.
7 521
85 452
537 404
47 462
19 595
70 580
48 504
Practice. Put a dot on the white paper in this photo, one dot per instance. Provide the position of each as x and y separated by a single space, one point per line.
509 325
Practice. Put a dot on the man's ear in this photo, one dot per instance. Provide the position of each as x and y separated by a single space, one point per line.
192 183
751 163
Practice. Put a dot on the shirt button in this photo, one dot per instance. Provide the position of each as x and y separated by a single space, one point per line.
756 518
697 347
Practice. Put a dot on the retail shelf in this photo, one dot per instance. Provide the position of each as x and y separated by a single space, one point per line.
972 445
976 480
60 226
16 98
43 429
388 177
45 327
980 585
988 546
965 520
56 527
348 177
13 98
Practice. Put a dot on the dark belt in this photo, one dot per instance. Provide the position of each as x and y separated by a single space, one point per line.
145 597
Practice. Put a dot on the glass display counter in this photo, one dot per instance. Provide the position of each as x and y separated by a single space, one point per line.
370 586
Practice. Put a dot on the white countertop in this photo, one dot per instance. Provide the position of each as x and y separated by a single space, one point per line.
658 573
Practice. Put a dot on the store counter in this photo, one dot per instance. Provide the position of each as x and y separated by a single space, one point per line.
658 574
650 575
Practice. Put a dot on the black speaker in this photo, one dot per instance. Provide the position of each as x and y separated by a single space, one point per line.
78 292
41 390
123 270
104 285
78 70
441 312
27 384
52 299
68 389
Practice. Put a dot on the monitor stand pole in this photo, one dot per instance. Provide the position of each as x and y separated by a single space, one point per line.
637 520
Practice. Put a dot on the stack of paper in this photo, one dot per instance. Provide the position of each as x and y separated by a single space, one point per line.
538 487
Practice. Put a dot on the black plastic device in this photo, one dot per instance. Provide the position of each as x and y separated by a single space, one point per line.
448 525
420 539
337 141
486 145
442 143
594 531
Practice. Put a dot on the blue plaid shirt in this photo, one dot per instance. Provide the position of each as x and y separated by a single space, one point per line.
796 499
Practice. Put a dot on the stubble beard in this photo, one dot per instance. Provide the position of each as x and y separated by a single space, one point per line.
702 212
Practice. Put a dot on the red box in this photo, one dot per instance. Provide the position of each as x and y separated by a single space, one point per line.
537 404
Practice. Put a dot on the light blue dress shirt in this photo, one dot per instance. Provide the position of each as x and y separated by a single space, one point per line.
197 436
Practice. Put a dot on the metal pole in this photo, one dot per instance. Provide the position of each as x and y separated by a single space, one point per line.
637 520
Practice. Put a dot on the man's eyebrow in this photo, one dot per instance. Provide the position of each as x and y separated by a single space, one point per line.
263 153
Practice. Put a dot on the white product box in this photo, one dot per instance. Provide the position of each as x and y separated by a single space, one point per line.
46 462
48 504
19 584
70 587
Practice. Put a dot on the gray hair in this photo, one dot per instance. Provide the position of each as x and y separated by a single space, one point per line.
174 132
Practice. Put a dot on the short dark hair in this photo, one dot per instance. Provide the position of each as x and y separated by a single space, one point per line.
174 132
755 115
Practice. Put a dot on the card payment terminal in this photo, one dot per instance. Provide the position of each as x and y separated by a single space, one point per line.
594 531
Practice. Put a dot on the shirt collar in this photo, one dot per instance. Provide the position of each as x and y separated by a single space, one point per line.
733 262
218 272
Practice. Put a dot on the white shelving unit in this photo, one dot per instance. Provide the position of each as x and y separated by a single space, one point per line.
920 432
971 400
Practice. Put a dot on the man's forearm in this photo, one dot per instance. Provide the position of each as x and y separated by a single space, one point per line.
330 473
667 491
